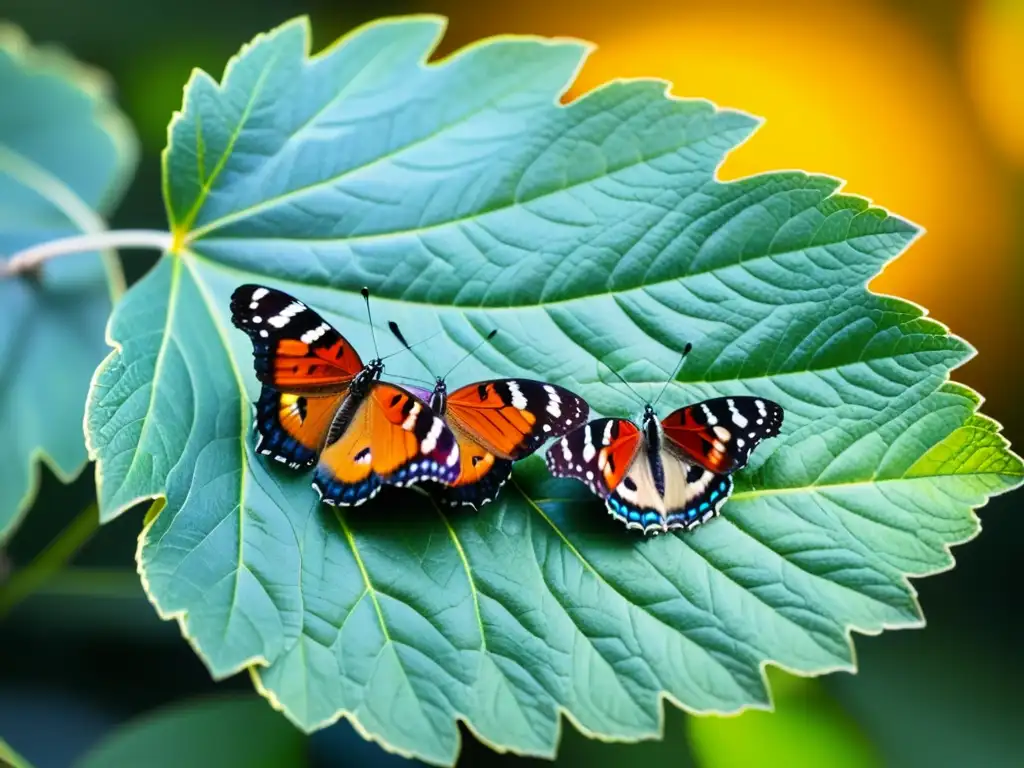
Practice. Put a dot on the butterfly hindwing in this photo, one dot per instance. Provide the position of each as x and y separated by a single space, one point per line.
292 429
692 494
481 473
598 454
391 438
719 434
294 349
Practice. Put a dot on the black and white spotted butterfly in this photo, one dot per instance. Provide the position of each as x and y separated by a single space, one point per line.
667 474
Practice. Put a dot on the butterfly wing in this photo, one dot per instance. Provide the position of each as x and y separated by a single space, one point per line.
391 438
498 422
719 434
481 473
598 454
305 368
692 494
294 349
292 429
511 418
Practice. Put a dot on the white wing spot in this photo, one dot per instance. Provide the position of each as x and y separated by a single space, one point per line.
430 441
708 415
607 439
546 427
737 418
760 408
259 293
721 432
264 334
588 445
554 403
566 453
312 335
740 442
518 399
453 457
410 420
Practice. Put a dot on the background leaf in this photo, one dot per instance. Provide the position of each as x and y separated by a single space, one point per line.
805 730
9 757
468 198
65 153
222 732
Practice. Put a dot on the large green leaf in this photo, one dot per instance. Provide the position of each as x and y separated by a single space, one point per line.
468 198
65 153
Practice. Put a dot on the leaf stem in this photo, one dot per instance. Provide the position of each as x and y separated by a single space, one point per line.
51 560
31 258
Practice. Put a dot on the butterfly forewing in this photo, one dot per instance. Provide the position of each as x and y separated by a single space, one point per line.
294 349
599 454
392 438
719 434
512 418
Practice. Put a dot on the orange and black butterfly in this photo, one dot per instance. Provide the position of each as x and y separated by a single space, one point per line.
321 405
496 423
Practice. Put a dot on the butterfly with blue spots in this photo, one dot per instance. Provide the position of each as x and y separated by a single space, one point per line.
673 473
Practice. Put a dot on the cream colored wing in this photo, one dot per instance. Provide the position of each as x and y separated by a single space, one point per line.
693 495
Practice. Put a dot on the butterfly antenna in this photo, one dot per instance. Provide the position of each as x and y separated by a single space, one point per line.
369 316
682 357
629 386
401 337
471 352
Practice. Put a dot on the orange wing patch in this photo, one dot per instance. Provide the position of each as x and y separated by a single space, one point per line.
307 419
475 461
512 418
304 368
392 438
622 439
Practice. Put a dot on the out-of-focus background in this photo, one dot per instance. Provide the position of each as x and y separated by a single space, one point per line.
918 104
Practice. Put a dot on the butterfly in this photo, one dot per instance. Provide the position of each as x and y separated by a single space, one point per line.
673 473
320 405
495 423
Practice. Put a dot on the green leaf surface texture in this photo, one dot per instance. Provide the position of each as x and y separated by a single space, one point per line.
65 156
468 198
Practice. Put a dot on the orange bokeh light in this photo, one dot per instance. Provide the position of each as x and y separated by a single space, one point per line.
850 90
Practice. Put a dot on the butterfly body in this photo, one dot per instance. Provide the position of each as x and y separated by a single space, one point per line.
666 474
497 423
320 406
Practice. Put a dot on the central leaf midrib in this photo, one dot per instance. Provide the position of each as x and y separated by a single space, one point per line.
541 303
952 343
